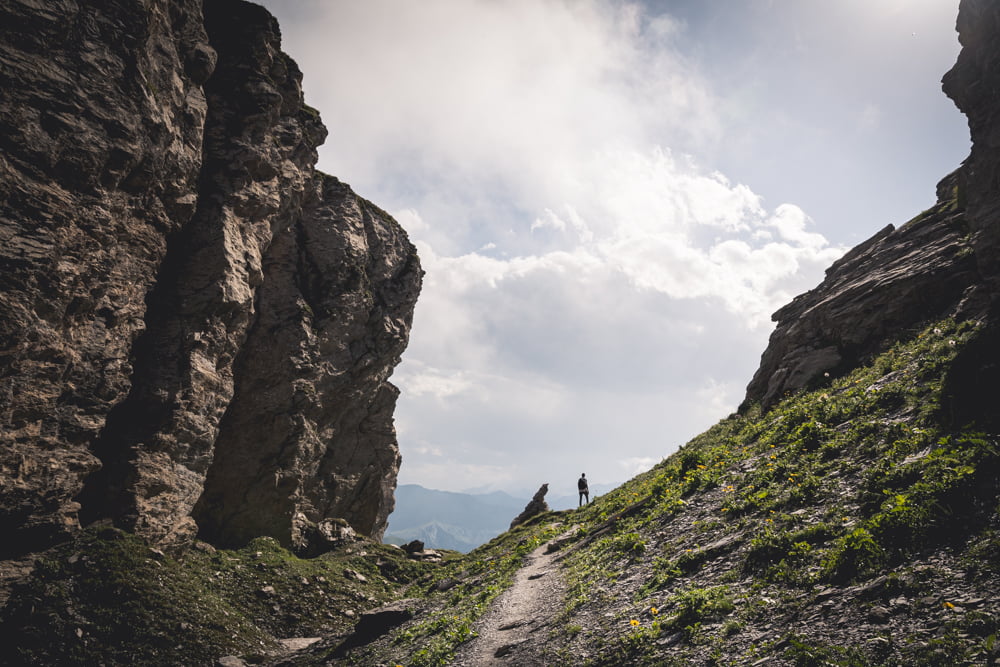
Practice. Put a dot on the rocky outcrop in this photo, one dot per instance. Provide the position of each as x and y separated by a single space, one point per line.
196 327
535 506
375 623
974 85
881 289
945 262
101 121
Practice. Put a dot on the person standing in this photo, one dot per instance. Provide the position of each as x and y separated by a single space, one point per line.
581 485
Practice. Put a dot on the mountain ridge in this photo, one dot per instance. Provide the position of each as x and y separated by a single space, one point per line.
460 521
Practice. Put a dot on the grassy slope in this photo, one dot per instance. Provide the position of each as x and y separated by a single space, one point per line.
845 526
107 598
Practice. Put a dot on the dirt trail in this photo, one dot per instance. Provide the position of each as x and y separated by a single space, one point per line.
515 629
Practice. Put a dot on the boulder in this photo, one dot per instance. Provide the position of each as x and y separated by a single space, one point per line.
374 623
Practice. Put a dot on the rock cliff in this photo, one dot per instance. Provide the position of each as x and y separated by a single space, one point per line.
856 524
196 327
943 262
881 289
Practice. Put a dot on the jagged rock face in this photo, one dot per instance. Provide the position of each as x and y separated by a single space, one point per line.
188 309
974 84
100 126
330 320
535 506
944 262
881 288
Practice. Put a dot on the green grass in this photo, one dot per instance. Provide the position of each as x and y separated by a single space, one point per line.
834 485
108 597
846 484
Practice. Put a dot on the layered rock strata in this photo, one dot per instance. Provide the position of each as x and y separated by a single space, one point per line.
187 308
945 262
887 285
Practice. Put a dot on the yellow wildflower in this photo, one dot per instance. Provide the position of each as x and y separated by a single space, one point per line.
634 622
948 605
654 611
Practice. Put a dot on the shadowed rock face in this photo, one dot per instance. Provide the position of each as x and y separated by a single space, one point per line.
334 317
944 262
187 308
974 85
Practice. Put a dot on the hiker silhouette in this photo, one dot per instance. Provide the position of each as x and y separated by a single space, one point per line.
581 485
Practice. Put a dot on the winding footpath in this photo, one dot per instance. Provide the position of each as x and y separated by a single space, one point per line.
515 629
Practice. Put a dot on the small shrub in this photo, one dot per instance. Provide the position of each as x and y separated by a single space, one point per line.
697 605
630 544
855 554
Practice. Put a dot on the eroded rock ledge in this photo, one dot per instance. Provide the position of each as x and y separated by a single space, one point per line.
196 327
944 262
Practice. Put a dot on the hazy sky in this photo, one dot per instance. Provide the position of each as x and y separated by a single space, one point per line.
611 198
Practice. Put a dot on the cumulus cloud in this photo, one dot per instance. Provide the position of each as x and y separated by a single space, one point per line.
624 335
489 89
593 295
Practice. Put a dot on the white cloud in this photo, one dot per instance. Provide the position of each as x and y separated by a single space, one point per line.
428 451
593 295
718 396
411 221
791 223
588 349
419 379
455 475
634 465
480 89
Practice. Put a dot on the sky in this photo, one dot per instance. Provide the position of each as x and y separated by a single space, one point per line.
611 198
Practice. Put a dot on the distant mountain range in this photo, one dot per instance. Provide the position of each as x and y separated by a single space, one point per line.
459 521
